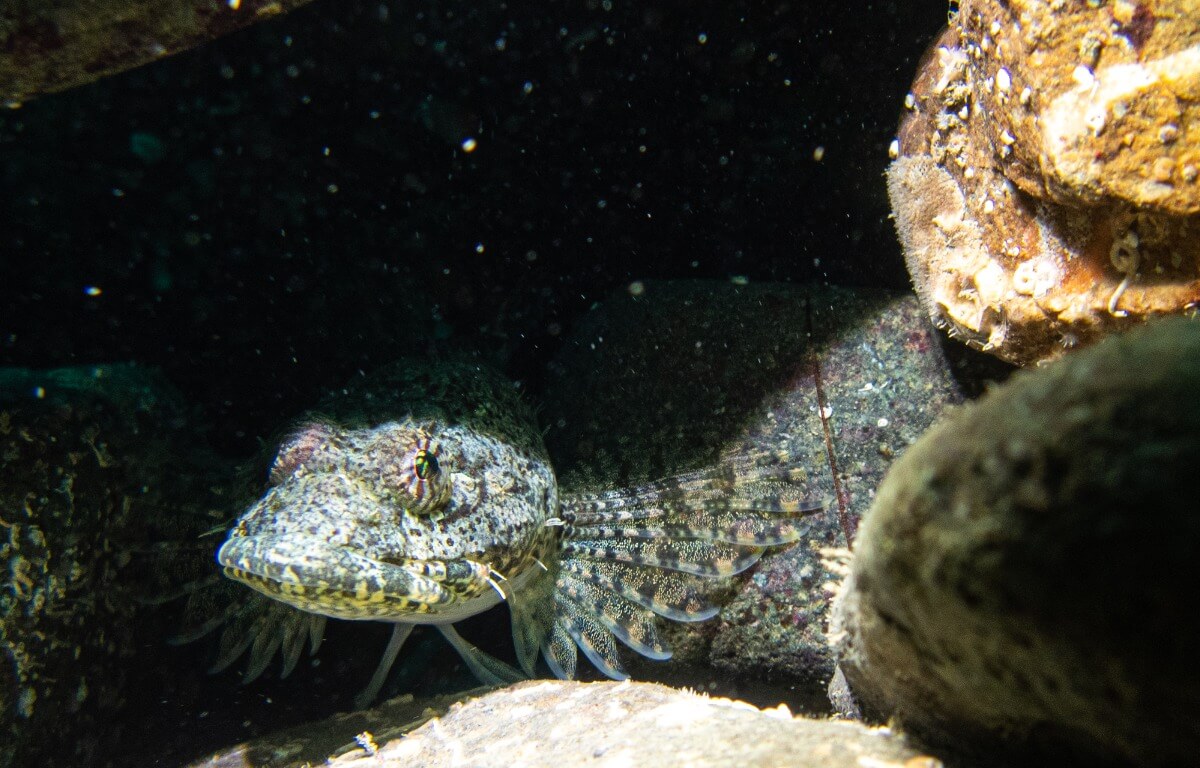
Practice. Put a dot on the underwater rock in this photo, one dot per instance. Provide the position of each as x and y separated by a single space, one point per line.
555 723
1047 181
1096 102
313 743
82 454
668 377
1019 585
52 45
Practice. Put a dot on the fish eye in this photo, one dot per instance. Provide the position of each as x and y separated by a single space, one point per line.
421 486
425 464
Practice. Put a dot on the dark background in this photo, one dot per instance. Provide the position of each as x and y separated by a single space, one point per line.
268 214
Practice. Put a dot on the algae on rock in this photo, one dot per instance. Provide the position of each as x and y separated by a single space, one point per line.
84 453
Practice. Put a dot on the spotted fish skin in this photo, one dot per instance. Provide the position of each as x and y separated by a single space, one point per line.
423 495
335 536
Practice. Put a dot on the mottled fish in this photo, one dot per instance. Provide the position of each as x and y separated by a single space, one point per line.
424 495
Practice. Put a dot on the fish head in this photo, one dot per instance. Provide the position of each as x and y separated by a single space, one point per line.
342 530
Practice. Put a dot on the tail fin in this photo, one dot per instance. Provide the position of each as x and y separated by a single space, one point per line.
657 550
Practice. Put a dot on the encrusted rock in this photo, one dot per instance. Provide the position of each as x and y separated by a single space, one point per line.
1046 184
51 45
1095 102
1019 584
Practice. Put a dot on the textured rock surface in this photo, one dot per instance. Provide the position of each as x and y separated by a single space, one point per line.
313 743
662 381
1019 584
1094 101
82 455
543 723
1046 189
50 45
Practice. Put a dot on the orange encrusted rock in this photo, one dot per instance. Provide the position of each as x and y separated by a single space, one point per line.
1091 102
1042 190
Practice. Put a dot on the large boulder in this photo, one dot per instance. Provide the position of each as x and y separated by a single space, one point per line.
1046 173
1019 586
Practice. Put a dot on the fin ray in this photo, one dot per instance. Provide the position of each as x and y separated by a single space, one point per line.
691 490
671 594
628 622
596 642
701 558
743 529
558 650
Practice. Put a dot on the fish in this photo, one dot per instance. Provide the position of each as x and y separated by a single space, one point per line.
423 494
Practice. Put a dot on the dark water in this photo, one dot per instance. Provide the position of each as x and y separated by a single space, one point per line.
266 215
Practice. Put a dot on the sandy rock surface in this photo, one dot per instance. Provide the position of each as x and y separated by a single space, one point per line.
555 724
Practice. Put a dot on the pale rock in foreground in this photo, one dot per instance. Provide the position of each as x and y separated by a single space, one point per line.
554 724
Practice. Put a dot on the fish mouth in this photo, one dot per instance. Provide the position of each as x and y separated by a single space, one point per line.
315 576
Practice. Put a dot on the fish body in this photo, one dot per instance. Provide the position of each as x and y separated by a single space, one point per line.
424 495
